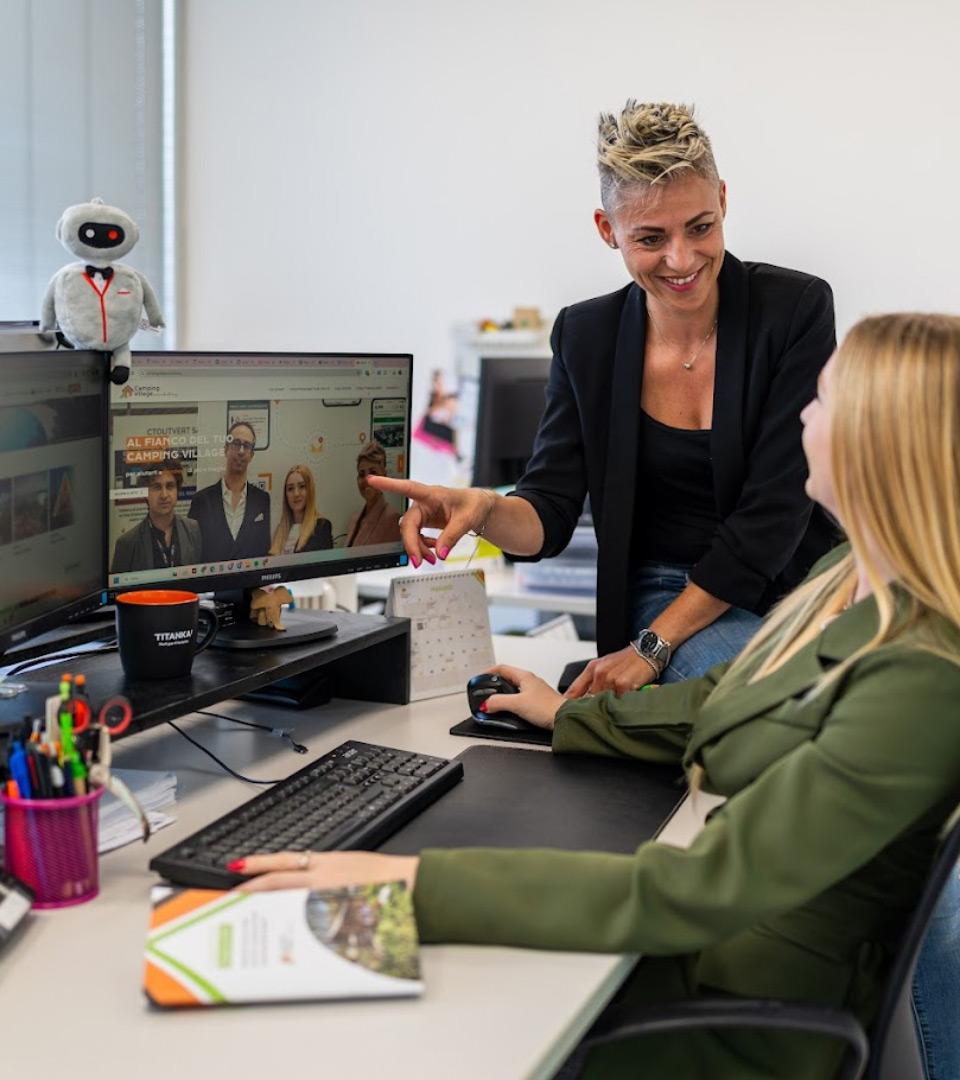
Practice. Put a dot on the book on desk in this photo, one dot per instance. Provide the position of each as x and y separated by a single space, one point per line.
209 947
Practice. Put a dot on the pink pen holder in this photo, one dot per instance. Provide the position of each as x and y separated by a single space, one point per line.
51 845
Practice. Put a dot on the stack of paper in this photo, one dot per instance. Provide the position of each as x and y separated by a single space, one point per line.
153 790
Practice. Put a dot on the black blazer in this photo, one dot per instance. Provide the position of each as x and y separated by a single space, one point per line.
253 539
134 548
775 332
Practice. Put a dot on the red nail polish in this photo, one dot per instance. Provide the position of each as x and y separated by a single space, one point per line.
443 552
237 866
483 706
415 561
431 558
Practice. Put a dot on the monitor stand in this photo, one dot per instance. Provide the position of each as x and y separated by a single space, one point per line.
237 631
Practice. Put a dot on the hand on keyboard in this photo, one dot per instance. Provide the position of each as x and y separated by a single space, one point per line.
324 870
353 797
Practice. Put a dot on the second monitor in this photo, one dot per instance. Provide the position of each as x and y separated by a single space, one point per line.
229 471
511 403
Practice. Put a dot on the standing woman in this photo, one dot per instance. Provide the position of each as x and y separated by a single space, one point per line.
675 404
301 528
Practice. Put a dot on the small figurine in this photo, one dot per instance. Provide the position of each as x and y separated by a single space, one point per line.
266 606
97 303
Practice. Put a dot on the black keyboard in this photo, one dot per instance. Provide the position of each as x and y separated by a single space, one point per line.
354 797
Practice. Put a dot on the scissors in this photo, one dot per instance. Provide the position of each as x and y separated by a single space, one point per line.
116 715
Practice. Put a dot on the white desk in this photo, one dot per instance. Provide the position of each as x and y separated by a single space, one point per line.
502 588
70 997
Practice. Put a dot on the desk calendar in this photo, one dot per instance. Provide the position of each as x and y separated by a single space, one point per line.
449 629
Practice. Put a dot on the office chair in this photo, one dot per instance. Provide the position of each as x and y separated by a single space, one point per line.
867 1057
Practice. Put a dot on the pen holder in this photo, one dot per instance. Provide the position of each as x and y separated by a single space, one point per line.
51 845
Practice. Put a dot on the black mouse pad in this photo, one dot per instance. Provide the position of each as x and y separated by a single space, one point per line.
473 730
571 672
528 798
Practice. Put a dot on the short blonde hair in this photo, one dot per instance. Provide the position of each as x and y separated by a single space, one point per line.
650 143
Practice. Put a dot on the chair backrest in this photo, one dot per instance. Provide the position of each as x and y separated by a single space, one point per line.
900 977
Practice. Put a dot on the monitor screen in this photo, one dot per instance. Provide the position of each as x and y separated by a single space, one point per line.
233 470
511 402
52 504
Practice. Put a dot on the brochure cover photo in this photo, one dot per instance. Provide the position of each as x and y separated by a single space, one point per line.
208 947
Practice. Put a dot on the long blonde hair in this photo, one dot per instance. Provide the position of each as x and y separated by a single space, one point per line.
310 515
895 460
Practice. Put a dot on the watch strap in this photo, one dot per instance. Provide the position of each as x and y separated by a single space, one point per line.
654 666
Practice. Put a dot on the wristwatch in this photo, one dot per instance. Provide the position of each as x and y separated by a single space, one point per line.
654 649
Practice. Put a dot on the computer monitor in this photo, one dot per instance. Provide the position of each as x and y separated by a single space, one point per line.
229 471
52 489
509 409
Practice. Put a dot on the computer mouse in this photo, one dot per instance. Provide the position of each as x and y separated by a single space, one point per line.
479 688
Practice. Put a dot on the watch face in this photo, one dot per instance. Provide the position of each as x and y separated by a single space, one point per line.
648 642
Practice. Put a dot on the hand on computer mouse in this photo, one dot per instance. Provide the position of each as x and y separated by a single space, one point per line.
534 700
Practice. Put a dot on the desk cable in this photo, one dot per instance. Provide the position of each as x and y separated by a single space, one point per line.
280 732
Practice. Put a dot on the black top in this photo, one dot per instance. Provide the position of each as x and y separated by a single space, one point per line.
321 538
164 554
775 332
675 518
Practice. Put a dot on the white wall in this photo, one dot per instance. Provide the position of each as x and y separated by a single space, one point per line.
74 126
359 175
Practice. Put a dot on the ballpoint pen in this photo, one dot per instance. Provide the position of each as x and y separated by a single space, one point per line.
19 771
40 766
78 773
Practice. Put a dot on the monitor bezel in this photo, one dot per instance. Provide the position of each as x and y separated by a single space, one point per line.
492 368
258 578
56 618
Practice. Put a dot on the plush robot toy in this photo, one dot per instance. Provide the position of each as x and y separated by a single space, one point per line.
97 303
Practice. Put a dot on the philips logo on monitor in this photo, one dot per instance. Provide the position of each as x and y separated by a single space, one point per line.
271 577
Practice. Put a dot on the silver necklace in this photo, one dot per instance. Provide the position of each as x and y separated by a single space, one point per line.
687 365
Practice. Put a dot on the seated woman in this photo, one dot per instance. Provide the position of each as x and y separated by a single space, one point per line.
378 522
301 528
834 735
674 403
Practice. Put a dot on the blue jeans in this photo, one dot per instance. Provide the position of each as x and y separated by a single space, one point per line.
936 987
655 586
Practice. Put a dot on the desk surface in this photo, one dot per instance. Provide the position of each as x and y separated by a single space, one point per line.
502 588
487 1012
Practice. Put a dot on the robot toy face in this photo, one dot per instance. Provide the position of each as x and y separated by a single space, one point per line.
96 232
98 235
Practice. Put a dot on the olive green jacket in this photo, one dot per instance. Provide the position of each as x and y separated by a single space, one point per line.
798 886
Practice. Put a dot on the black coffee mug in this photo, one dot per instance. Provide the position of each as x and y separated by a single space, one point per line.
157 632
